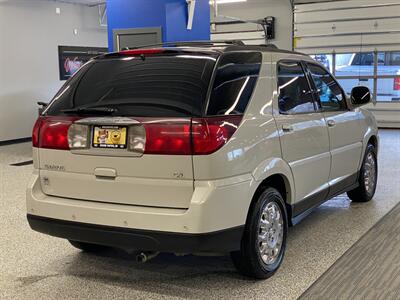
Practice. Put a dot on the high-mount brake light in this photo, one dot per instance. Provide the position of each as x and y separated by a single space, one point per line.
141 51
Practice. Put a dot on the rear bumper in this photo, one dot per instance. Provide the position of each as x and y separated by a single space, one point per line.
217 211
144 240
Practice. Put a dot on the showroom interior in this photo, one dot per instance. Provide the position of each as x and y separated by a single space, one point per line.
341 249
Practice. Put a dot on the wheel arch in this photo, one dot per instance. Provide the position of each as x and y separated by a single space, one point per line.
275 171
373 140
278 181
370 136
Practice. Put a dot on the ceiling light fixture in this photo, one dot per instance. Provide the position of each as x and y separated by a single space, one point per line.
226 1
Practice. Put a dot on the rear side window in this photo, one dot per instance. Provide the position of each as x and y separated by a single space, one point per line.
151 86
295 95
235 79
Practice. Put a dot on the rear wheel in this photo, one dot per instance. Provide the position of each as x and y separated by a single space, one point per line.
367 177
264 239
87 247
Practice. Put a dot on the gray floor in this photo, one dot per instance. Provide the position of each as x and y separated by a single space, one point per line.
368 270
38 266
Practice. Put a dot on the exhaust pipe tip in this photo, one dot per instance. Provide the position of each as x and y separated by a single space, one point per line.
141 258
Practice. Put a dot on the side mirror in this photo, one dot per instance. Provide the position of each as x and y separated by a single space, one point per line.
360 95
42 106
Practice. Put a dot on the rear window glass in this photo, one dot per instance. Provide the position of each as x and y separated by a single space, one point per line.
155 86
234 83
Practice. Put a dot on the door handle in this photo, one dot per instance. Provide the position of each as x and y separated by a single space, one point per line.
105 173
287 127
331 123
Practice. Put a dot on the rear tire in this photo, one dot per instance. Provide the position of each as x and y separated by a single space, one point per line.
87 247
264 239
367 177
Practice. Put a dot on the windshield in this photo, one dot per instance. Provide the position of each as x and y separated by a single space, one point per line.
151 86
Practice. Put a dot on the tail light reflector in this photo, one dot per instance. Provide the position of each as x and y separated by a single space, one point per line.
201 136
396 85
210 134
197 136
170 137
52 132
35 133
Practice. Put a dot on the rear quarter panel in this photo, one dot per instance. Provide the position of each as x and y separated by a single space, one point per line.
255 140
369 128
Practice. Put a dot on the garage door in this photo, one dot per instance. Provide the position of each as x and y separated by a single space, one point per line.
359 41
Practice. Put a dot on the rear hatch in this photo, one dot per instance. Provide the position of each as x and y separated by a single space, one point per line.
120 130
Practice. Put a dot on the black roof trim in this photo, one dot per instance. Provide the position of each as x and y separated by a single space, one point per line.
209 46
191 43
262 48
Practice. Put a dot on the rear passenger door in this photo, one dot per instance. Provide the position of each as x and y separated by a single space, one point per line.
303 134
344 129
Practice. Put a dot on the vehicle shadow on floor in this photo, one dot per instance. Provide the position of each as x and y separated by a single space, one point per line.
168 275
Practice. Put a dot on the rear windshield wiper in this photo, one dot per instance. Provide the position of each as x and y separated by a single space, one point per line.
166 106
90 110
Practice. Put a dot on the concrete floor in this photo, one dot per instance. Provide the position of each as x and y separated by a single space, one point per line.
36 266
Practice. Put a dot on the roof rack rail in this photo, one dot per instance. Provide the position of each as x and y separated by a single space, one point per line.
191 43
270 46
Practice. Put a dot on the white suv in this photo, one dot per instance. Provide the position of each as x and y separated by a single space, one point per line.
198 148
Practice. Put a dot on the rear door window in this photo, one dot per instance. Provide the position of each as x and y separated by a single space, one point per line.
295 95
151 86
330 93
235 79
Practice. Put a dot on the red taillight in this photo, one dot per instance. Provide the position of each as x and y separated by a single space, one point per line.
141 51
396 85
35 133
197 136
210 134
201 136
52 132
168 137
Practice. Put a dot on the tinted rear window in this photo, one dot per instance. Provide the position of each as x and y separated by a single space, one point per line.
235 79
155 86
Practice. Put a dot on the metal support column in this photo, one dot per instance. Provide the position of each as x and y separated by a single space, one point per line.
375 92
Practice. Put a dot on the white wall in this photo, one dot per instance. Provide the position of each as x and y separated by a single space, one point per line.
257 9
30 32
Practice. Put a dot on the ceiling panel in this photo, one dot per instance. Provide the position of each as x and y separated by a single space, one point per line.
313 1
84 2
94 2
